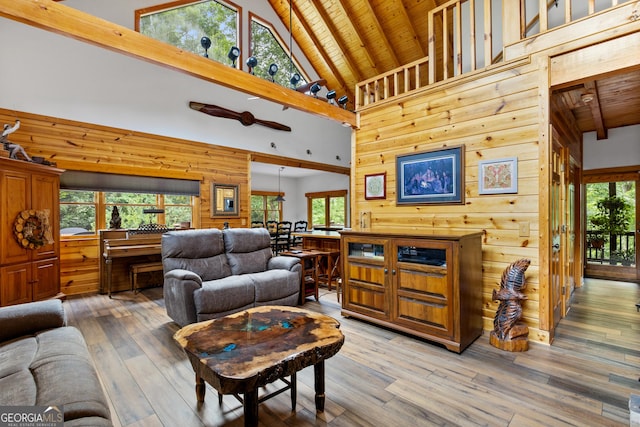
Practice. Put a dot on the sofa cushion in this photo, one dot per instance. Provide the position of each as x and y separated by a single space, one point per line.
49 368
200 251
223 296
248 249
273 286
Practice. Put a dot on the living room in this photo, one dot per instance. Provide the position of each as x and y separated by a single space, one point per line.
76 133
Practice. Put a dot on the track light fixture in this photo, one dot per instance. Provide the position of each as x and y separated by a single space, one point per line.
273 69
331 97
342 101
314 89
234 53
295 79
252 62
205 42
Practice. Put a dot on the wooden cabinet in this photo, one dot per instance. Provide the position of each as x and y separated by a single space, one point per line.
426 285
28 273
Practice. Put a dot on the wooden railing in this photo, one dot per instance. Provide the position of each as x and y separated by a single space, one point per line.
611 249
457 45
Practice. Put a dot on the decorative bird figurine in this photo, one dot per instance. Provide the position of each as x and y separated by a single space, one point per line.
510 295
14 150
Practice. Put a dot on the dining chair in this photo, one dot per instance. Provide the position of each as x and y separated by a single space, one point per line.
298 226
283 237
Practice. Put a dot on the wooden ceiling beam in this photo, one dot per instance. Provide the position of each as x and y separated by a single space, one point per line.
360 40
592 100
308 32
333 31
70 22
295 163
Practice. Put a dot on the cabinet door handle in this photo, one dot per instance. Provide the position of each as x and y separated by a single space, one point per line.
386 270
393 271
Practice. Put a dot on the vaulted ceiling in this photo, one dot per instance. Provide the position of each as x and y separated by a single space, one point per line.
348 41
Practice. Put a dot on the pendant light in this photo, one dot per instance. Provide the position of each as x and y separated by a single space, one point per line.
279 198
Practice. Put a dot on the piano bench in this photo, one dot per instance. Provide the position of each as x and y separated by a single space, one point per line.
147 267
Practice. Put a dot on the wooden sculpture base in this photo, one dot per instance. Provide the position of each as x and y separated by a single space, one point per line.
518 339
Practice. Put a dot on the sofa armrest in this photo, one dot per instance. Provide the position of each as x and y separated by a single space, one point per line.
186 275
29 318
283 263
179 287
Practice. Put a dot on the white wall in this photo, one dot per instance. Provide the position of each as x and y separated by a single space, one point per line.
622 148
49 74
294 207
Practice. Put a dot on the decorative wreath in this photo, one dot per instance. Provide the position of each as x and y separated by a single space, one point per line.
32 228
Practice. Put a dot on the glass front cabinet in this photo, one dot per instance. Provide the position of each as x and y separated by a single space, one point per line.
426 285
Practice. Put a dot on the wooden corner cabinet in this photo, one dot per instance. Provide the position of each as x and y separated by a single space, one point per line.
29 272
427 285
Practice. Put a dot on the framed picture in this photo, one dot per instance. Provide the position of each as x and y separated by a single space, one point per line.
498 176
375 186
224 200
431 177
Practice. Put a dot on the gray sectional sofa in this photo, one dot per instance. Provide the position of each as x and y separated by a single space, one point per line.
209 273
45 363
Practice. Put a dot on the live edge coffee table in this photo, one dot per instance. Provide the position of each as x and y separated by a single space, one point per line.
241 352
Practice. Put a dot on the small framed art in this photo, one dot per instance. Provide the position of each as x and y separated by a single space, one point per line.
375 186
498 176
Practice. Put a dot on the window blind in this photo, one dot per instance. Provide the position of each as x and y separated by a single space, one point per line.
98 181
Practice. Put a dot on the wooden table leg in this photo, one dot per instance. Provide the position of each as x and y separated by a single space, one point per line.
318 370
294 391
200 389
251 408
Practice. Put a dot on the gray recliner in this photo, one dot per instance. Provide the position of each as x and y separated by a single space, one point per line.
210 273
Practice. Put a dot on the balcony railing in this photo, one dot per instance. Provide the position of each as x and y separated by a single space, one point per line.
460 34
614 249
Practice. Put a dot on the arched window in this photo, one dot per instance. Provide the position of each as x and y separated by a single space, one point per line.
269 48
184 26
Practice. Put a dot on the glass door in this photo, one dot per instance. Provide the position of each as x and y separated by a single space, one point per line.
611 226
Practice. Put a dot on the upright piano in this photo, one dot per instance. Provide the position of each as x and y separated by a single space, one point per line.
122 248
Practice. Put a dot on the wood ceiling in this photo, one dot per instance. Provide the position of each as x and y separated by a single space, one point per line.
349 41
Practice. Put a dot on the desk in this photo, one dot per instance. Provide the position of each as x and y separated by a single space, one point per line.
239 353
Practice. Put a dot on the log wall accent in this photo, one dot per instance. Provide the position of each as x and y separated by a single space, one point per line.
85 147
494 116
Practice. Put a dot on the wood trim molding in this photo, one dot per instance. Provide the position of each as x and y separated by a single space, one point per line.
295 163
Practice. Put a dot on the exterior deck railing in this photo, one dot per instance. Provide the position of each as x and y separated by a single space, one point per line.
611 249
460 34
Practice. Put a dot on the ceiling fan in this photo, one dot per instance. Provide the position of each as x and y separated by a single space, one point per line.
245 117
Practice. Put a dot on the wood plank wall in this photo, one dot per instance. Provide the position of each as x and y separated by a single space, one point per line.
495 115
87 147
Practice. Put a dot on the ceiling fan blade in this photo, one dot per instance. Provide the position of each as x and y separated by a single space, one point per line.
246 118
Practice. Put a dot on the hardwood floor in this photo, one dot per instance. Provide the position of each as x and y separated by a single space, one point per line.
383 378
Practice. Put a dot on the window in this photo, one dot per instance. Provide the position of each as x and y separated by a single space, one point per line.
327 209
268 49
611 219
185 25
264 207
84 212
77 212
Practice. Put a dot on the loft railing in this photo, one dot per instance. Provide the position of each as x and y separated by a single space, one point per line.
461 40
